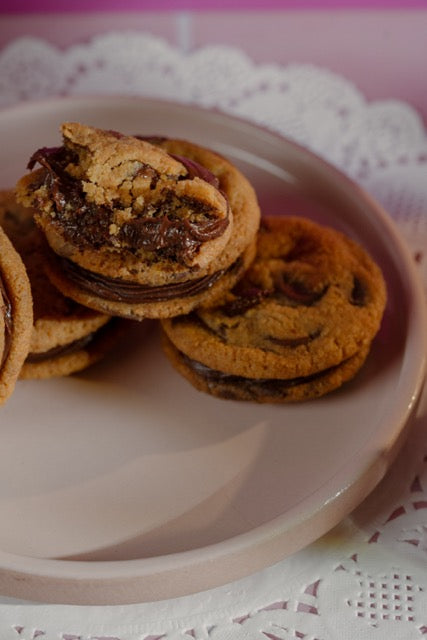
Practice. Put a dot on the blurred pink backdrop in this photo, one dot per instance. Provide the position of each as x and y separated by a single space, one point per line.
381 50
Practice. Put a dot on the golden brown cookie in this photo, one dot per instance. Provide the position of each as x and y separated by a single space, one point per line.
16 316
306 310
66 337
140 228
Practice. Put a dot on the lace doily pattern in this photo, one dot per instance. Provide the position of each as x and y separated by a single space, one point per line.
367 578
382 145
362 594
311 105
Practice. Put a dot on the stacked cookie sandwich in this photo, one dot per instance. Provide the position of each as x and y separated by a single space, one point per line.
138 229
298 324
149 227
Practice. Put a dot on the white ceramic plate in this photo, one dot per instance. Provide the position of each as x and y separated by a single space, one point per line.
124 484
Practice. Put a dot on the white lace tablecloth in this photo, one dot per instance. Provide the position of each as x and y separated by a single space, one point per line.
367 579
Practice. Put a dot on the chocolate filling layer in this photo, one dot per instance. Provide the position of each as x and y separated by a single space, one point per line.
62 350
254 386
118 290
160 227
8 322
88 341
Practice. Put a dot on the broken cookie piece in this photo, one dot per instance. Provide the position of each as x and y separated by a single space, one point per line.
137 228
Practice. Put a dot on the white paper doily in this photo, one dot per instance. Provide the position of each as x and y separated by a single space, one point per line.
367 579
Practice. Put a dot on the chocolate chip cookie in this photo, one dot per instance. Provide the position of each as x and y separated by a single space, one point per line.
66 337
140 227
297 325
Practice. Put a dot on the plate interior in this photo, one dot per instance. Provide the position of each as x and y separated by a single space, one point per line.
126 460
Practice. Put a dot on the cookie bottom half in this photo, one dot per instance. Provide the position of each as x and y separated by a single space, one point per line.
123 299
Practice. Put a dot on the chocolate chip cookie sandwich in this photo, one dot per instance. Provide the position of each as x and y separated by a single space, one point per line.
66 337
140 227
298 325
16 316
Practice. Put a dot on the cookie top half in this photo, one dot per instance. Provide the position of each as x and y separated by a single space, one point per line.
311 299
126 208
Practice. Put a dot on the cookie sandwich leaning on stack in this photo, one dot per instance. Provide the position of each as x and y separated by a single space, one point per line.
66 336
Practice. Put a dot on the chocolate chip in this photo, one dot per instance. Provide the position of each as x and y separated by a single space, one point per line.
245 299
290 290
295 342
358 293
302 248
171 237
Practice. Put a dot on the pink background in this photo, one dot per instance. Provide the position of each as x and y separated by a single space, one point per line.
382 51
29 6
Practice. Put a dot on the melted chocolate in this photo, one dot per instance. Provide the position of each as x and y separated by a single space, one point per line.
88 225
118 290
45 156
171 236
196 170
286 291
151 139
8 323
82 223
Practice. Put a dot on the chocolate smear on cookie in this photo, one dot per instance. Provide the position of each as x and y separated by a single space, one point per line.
132 292
7 310
255 387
